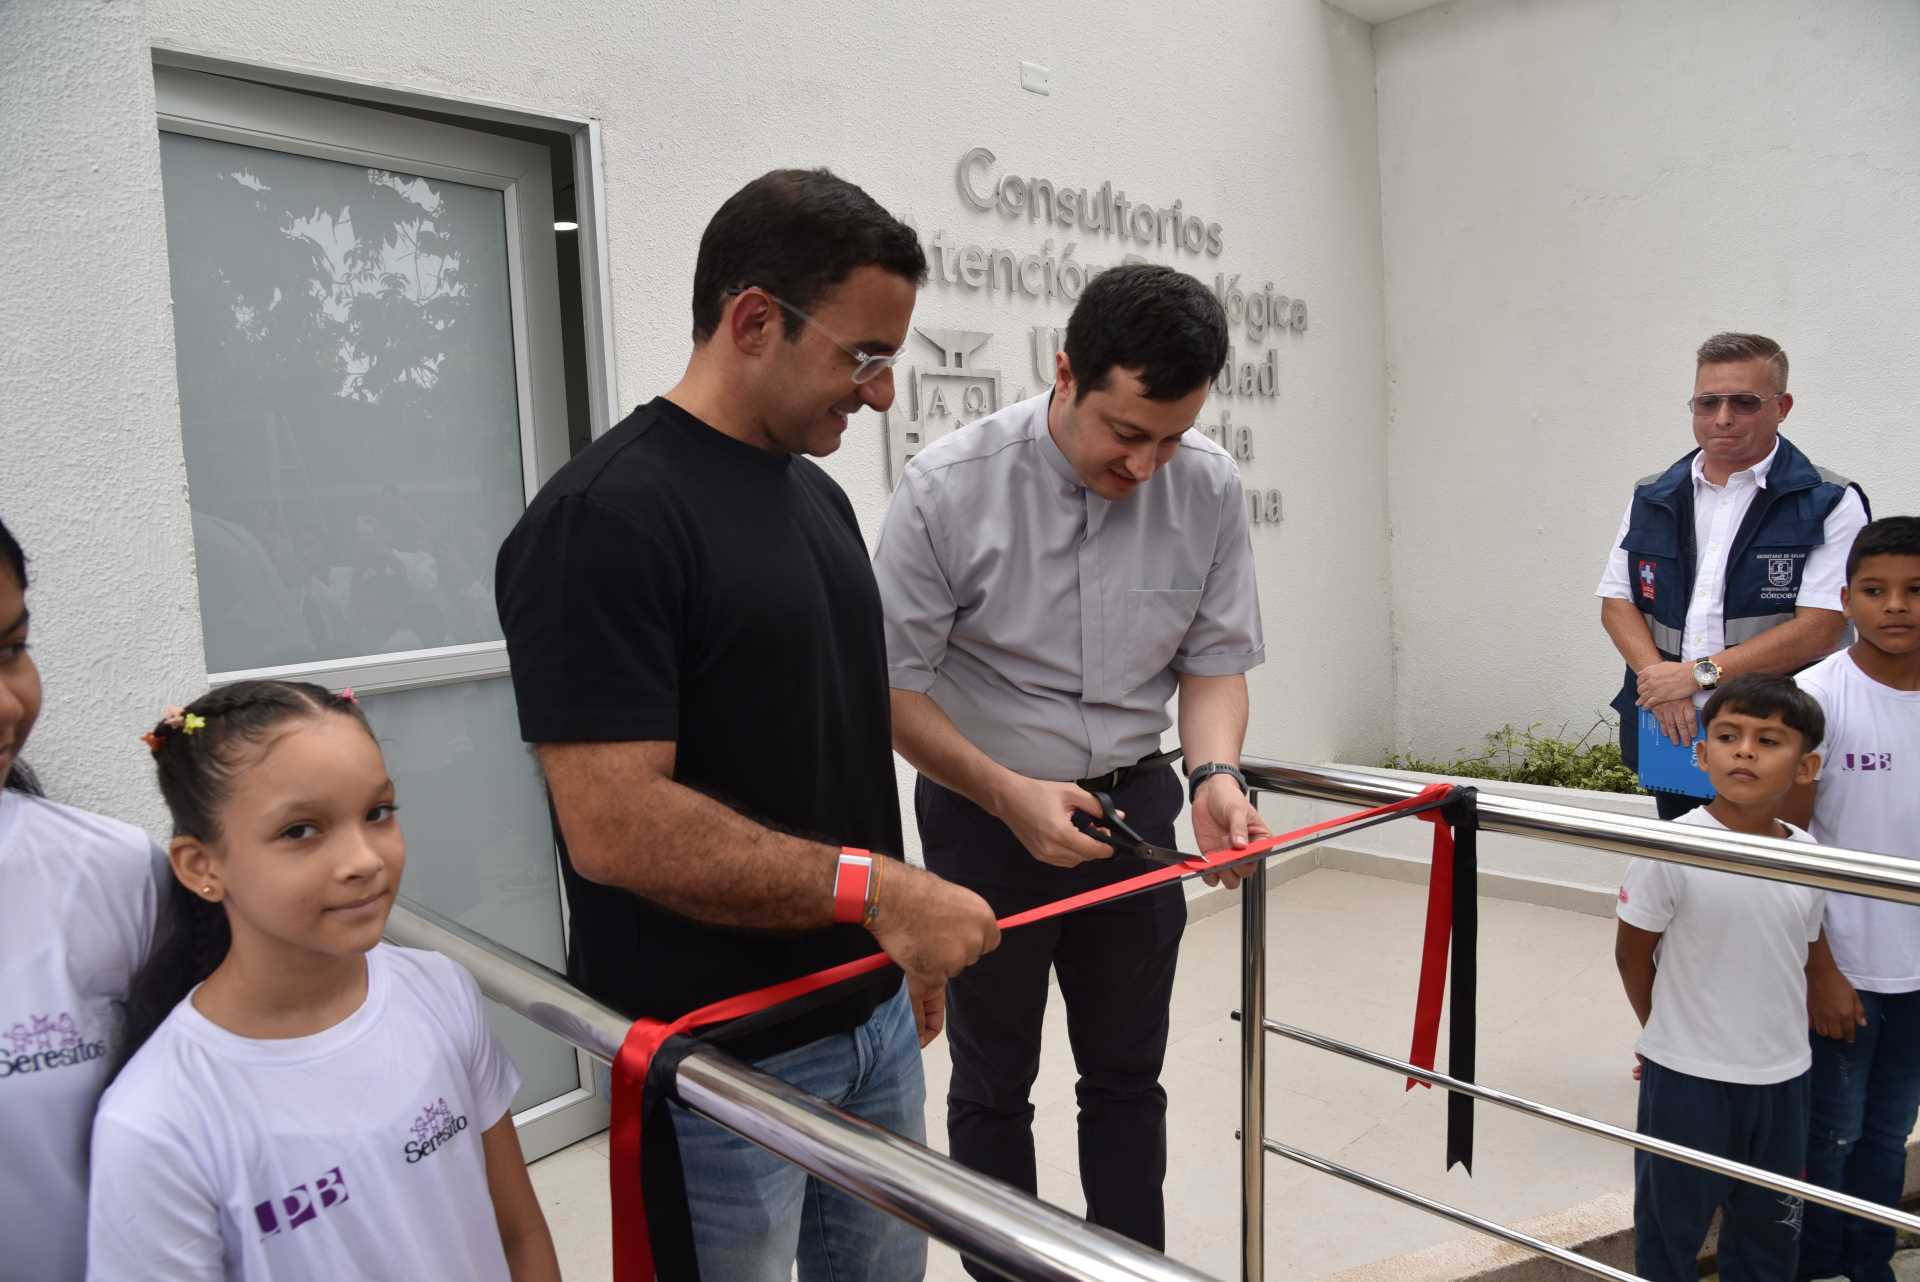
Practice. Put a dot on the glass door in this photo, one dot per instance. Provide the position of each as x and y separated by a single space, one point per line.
366 316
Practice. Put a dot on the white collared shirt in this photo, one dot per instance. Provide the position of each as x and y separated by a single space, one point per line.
1718 511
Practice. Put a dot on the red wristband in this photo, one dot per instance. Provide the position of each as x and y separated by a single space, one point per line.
850 880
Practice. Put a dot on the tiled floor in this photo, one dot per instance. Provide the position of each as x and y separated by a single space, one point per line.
1342 960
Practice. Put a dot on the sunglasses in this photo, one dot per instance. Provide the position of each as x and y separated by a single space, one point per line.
1742 403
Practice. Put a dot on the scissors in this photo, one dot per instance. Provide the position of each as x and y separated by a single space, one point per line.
1112 830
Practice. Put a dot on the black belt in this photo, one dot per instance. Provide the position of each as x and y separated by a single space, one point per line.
1119 776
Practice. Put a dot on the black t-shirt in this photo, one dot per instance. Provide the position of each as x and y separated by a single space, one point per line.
673 583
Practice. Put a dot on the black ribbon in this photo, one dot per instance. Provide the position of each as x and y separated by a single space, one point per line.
1463 814
669 1219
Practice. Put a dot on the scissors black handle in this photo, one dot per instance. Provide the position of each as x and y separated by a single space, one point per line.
1110 829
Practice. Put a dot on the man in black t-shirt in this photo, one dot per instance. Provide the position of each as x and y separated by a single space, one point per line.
697 651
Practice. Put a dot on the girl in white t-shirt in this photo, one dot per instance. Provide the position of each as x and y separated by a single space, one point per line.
304 1103
78 895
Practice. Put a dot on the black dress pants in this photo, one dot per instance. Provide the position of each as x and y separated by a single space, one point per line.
1115 963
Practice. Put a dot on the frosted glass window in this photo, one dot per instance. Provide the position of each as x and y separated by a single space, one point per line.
347 398
479 847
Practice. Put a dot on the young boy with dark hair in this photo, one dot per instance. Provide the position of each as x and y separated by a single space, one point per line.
1864 994
1715 966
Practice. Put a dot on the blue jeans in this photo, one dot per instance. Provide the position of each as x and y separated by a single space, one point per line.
754 1213
1865 1096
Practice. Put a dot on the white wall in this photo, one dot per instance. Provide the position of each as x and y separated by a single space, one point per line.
1567 196
1574 195
1258 117
91 476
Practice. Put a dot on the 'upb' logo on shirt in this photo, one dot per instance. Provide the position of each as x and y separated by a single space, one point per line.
1865 761
434 1127
300 1205
41 1042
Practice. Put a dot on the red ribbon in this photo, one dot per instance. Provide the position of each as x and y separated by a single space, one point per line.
633 1247
1433 953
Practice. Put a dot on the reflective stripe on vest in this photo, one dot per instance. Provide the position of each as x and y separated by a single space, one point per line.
1665 639
1746 629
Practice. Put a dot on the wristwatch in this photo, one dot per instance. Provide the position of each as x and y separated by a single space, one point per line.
1706 673
1201 774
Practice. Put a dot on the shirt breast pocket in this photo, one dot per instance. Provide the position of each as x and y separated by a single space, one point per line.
1157 621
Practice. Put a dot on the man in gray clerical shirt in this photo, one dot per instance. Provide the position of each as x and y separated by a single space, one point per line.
1051 575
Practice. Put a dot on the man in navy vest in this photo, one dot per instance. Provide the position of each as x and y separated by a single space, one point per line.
1731 560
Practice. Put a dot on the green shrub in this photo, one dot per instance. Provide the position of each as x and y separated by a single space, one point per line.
1527 756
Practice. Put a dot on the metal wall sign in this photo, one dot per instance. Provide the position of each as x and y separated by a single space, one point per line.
942 397
955 389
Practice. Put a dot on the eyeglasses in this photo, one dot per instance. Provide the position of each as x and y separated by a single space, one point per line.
1742 403
867 366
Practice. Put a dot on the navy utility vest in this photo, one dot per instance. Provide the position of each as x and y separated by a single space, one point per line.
1764 566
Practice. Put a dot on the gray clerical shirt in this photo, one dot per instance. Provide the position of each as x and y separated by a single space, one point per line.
1049 623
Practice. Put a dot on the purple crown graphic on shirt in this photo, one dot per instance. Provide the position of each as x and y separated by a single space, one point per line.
437 1117
40 1033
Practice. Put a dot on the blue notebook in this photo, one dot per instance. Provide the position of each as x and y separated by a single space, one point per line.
1666 766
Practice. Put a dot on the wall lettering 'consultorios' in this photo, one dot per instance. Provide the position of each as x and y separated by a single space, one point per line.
959 387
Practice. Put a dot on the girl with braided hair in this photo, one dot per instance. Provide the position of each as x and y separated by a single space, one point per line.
79 894
300 1101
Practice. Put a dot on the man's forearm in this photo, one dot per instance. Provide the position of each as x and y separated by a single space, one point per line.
1628 632
925 735
682 849
1810 636
1213 718
628 824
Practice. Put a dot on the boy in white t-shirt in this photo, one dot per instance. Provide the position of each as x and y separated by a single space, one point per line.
1864 998
1714 964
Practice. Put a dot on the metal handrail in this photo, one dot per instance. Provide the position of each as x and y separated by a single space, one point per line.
1829 868
1016 1234
1253 1065
1572 1259
987 1221
1604 1130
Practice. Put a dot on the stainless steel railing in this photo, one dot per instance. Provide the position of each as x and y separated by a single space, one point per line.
1828 867
1022 1237
1856 872
983 1219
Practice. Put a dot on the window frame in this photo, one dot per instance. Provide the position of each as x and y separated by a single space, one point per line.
277 108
